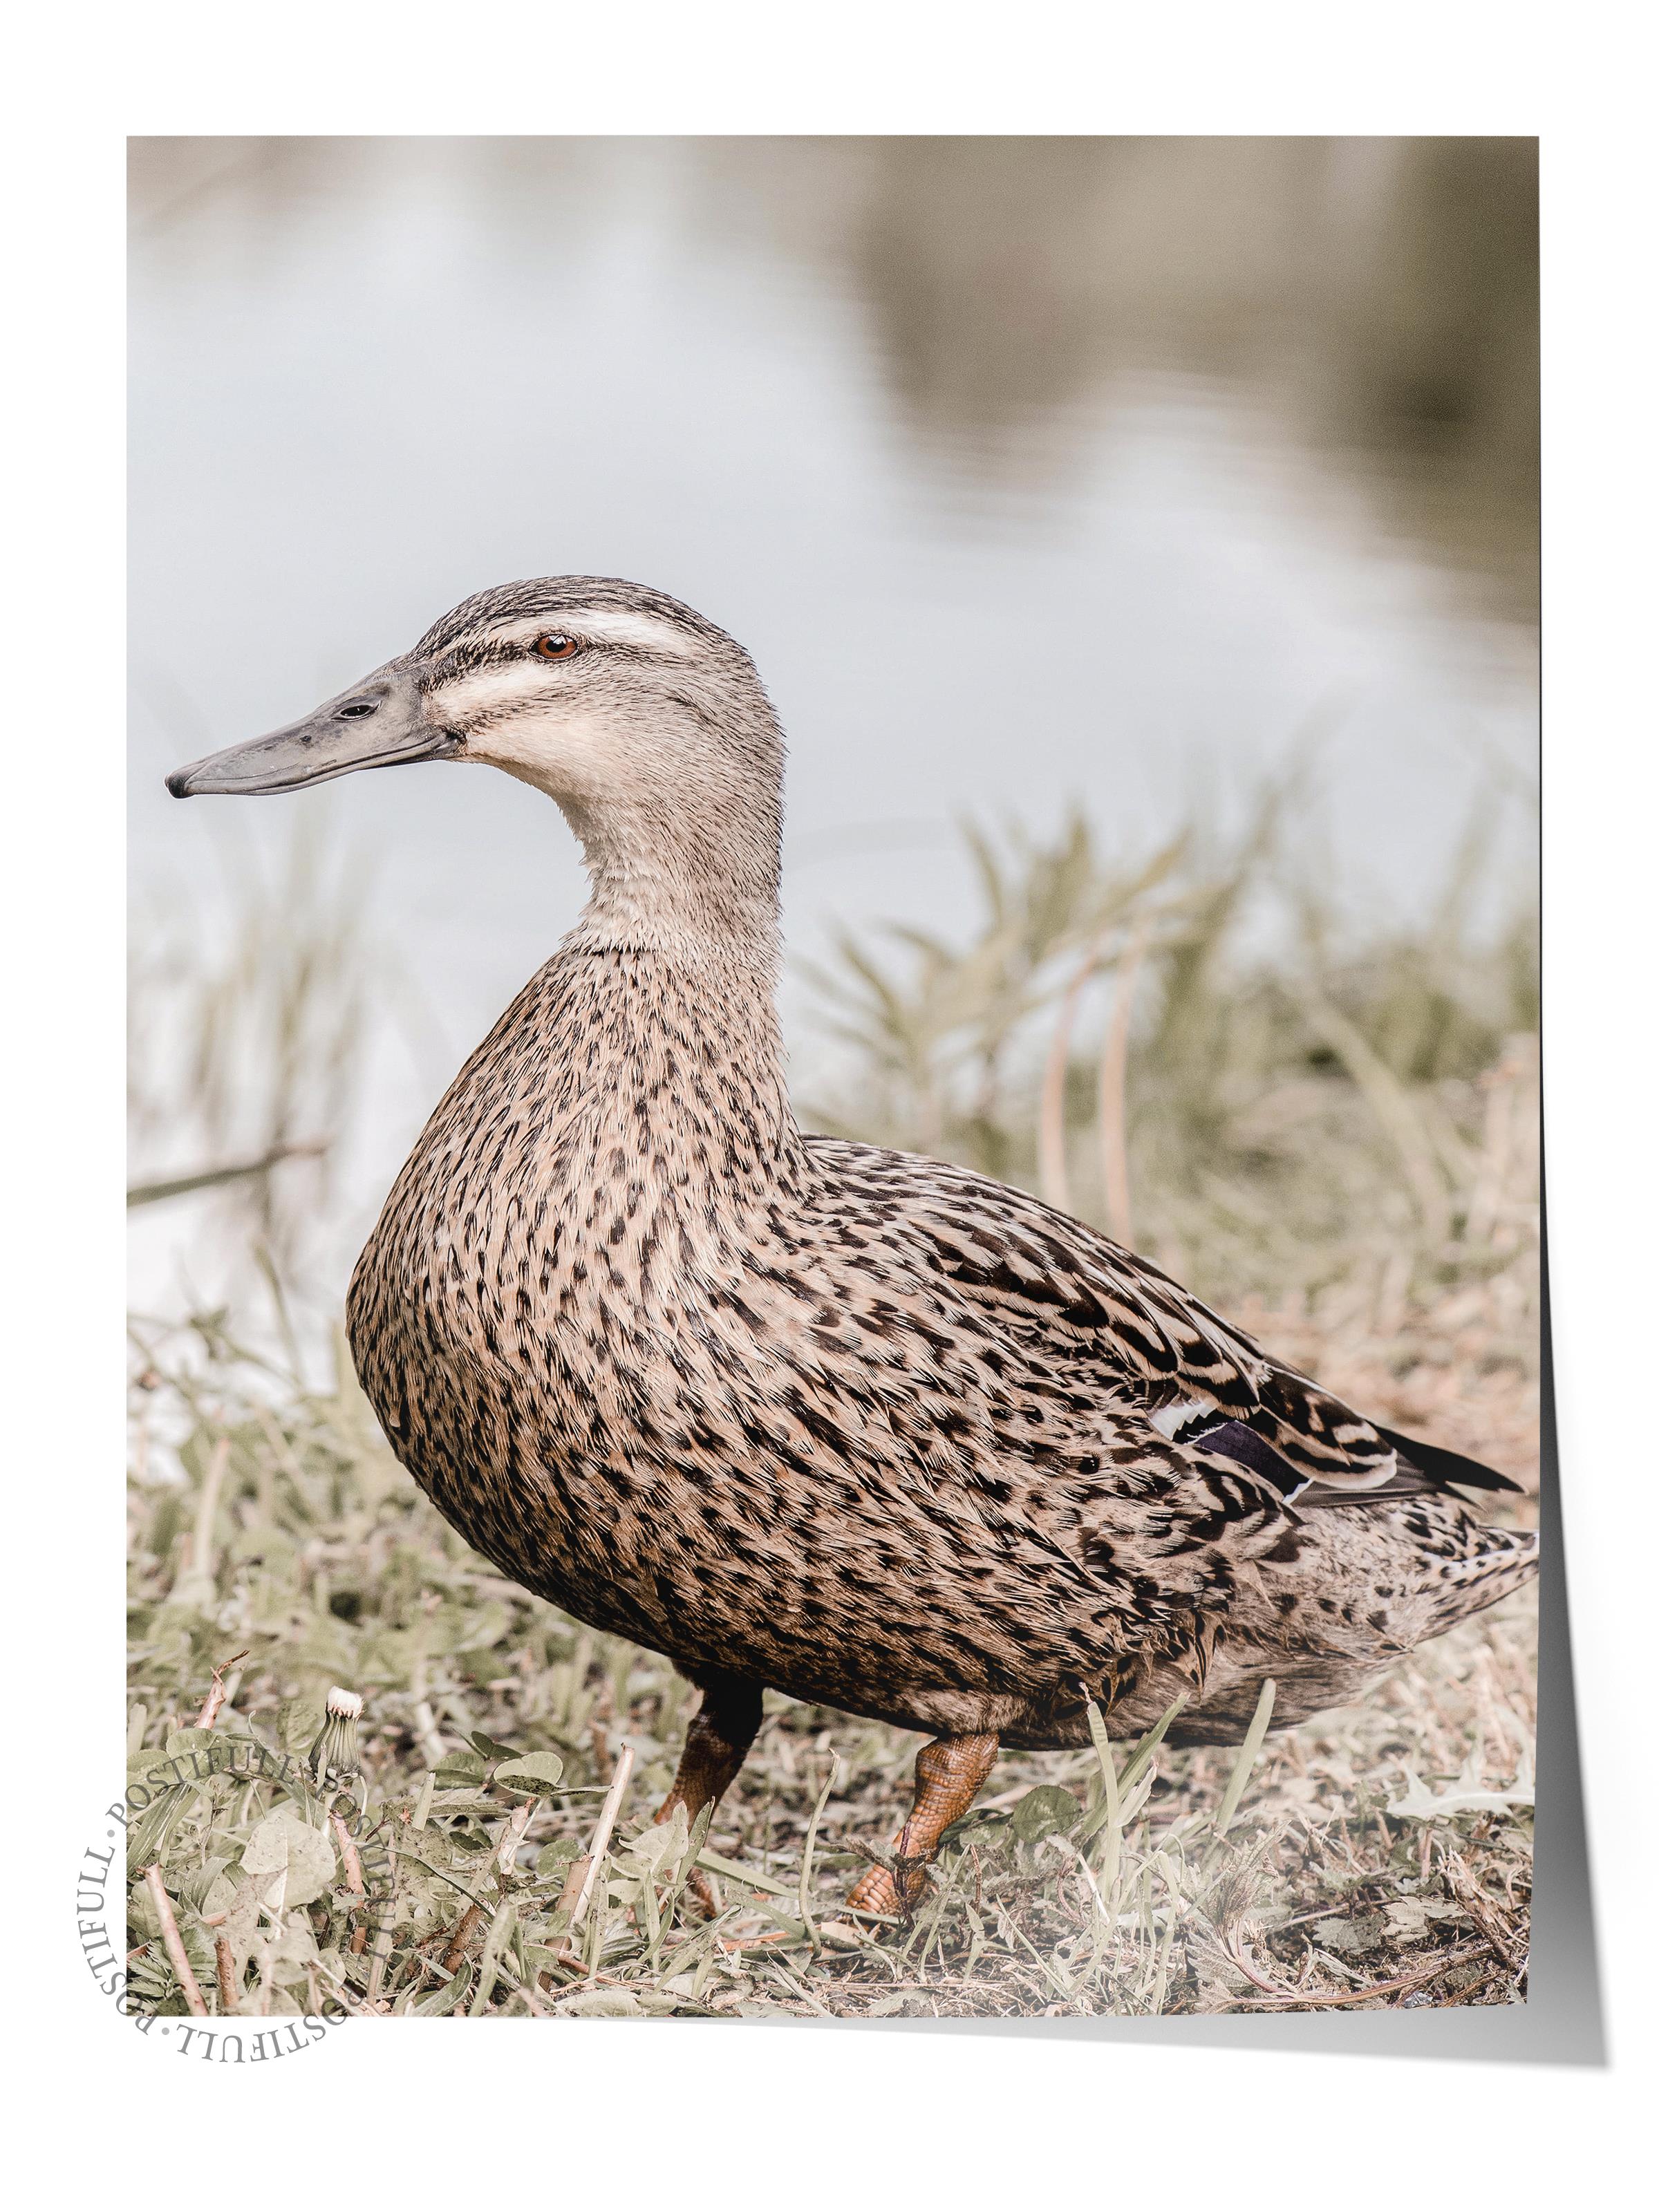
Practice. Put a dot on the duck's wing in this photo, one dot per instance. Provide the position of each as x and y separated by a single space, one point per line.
1029 1270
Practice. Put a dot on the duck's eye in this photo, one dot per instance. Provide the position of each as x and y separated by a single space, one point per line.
554 645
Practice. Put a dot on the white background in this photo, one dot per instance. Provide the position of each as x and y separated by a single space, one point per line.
741 2115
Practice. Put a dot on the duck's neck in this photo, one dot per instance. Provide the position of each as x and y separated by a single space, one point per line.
703 891
679 949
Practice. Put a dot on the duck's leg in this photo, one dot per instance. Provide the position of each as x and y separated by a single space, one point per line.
949 1773
716 1744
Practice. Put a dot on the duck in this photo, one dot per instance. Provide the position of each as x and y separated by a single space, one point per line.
866 1429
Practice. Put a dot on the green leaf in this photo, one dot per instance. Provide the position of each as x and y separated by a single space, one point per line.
149 1836
1044 1811
291 1861
298 1722
655 1844
536 1775
601 2004
183 1741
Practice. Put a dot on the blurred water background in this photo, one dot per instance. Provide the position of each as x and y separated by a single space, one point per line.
1140 477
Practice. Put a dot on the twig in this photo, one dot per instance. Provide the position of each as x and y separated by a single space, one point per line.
151 1193
226 1965
1324 1998
578 1965
213 1704
1463 1996
176 1942
354 1876
575 1875
464 1928
348 1859
607 1820
1328 1912
731 1944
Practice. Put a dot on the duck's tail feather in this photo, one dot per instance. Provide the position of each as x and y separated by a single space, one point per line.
1443 1466
1421 1470
1409 1482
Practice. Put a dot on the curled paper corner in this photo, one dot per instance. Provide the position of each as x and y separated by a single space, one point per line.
1465 1794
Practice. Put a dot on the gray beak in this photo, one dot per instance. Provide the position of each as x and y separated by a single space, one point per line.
379 722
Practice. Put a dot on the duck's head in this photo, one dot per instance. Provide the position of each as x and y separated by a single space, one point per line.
646 723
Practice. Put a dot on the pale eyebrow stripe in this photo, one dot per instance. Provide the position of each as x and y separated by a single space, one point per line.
607 625
483 690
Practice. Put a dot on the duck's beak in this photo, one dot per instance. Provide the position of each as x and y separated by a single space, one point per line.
379 723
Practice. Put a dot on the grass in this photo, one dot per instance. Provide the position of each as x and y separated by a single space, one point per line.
1337 1142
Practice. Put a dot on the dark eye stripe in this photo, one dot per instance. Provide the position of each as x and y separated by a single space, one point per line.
483 653
469 654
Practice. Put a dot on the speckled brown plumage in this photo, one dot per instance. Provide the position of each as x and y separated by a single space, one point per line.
865 1428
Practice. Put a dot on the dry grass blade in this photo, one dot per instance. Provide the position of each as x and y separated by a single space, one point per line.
805 1891
1052 1179
1141 1757
1105 1819
1392 1105
1112 1093
196 1563
1248 1752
